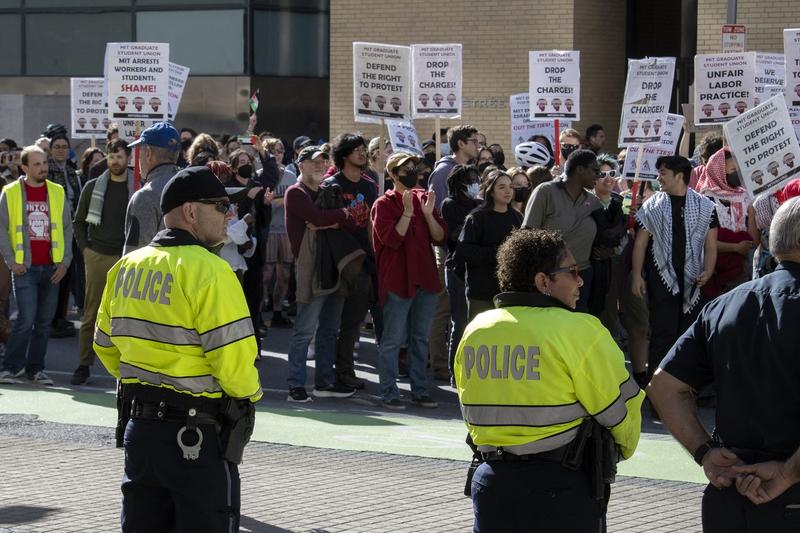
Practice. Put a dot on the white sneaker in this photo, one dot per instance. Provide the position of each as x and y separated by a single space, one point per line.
7 378
40 378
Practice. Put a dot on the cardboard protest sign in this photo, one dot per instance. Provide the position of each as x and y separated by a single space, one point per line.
88 114
138 80
177 81
648 91
791 49
555 84
765 147
667 146
436 80
733 38
770 70
724 86
403 136
523 128
381 82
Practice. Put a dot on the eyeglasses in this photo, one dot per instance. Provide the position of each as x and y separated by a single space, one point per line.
610 173
572 269
223 206
474 140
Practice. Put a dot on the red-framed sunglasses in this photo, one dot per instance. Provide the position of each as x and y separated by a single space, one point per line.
572 269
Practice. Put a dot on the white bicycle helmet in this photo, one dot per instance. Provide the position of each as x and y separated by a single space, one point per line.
531 153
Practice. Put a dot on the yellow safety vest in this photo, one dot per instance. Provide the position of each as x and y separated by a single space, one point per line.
18 222
175 316
528 375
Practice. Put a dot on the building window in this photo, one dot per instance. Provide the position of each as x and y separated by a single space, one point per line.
10 39
291 44
208 42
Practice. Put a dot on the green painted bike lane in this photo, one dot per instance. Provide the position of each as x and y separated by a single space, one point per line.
364 430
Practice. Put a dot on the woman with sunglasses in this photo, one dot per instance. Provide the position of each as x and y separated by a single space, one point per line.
529 373
608 245
484 231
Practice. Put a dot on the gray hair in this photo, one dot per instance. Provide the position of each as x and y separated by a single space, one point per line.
784 231
164 155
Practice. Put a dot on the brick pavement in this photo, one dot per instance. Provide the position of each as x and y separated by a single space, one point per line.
69 482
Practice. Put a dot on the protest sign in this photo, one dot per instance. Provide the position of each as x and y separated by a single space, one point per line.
770 70
138 80
733 38
724 86
794 112
523 128
88 114
177 81
403 136
648 91
555 84
765 147
791 49
668 145
381 81
436 81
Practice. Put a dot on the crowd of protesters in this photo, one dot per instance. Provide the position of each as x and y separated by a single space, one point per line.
312 236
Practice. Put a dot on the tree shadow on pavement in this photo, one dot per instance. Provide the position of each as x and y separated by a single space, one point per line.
21 514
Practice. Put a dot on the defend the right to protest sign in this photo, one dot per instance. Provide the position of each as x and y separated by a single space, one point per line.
791 49
648 91
523 128
381 82
770 70
403 136
89 117
724 86
436 81
138 80
667 146
178 75
765 146
555 84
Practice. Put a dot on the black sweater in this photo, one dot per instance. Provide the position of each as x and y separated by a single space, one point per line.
484 231
454 212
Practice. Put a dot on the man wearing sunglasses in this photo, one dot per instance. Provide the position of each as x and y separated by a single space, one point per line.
174 328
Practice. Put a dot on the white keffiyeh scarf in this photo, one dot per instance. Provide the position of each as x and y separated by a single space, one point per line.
656 217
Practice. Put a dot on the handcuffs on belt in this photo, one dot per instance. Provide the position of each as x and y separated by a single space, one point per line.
192 452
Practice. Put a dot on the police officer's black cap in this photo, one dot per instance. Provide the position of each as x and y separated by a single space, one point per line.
190 185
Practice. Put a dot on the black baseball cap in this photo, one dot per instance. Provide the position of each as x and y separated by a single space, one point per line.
310 152
301 142
190 185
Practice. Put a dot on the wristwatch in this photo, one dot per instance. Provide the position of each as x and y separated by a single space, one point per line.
701 451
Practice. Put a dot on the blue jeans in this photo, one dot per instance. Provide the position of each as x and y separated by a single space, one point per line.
456 289
329 307
406 318
36 304
583 301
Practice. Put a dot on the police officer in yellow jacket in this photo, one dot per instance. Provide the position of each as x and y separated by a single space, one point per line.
174 328
533 377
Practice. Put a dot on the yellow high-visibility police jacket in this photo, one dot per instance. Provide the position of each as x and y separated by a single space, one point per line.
529 372
173 315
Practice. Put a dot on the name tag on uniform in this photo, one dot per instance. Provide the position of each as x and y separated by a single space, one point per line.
501 362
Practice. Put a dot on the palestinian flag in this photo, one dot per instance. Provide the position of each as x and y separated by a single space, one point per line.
253 102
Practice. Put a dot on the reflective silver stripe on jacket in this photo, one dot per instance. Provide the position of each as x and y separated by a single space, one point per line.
227 334
151 331
102 339
538 446
617 411
522 415
192 384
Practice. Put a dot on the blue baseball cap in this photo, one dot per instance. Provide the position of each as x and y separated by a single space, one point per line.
162 135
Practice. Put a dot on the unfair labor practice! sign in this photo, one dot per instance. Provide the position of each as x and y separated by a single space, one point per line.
765 146
436 81
724 86
381 81
648 91
89 117
523 128
555 84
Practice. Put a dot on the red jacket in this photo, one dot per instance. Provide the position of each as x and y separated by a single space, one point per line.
405 263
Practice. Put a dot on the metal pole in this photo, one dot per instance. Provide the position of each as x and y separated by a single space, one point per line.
732 11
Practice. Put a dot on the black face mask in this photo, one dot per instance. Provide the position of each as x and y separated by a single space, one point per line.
245 171
733 179
566 150
521 194
431 159
484 165
408 180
